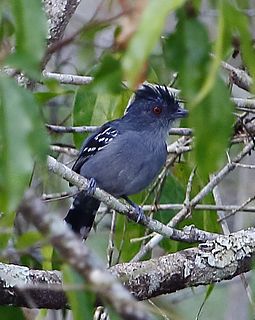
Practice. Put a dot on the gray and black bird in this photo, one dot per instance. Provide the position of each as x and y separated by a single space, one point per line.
125 155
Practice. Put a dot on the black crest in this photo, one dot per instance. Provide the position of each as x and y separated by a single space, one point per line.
155 92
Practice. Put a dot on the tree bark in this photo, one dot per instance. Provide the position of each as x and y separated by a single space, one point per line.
214 261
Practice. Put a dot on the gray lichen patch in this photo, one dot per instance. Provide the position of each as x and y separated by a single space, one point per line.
225 251
13 275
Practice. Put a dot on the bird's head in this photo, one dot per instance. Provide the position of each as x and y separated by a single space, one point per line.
154 105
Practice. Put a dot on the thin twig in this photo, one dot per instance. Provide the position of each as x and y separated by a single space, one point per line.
82 129
57 196
188 191
67 150
239 208
110 248
70 129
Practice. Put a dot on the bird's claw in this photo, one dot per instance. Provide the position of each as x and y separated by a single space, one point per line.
139 212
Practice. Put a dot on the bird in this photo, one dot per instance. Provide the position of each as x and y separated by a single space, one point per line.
125 155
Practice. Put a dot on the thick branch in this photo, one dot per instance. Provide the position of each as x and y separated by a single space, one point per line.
59 13
213 261
21 286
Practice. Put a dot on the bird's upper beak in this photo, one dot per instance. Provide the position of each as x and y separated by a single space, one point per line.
181 113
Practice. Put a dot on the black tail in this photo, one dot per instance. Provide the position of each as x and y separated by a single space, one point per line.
82 214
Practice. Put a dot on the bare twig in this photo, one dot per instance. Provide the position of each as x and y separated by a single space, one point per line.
238 76
179 206
110 248
239 208
82 129
67 78
57 196
188 191
67 150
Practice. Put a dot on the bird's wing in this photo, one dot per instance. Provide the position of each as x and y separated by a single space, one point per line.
94 144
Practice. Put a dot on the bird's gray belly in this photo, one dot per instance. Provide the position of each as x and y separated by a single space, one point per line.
127 172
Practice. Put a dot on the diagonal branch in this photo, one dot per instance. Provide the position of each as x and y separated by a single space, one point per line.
189 234
59 13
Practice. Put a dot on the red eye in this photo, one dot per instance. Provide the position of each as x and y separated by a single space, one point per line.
157 110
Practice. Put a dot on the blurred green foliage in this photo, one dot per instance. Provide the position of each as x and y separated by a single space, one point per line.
80 298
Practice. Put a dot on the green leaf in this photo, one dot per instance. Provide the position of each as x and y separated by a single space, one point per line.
212 121
186 51
81 300
91 108
219 48
144 40
173 192
43 97
6 225
83 108
208 293
31 33
28 239
126 231
238 25
22 137
6 26
9 312
108 76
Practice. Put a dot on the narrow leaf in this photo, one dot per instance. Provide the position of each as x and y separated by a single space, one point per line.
31 33
144 40
22 137
81 301
212 121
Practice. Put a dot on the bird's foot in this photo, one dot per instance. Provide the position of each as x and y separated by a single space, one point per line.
137 209
90 191
139 212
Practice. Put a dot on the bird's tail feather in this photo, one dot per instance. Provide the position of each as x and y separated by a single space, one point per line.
82 214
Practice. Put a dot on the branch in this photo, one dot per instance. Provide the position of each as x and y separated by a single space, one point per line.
67 78
179 206
23 287
238 77
242 79
189 234
59 13
214 261
82 129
